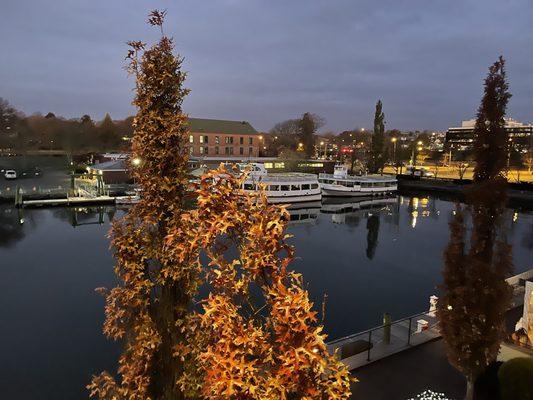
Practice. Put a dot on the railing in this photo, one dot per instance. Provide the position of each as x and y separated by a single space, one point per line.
386 339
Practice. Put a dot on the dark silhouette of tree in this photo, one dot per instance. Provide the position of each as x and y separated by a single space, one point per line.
108 134
491 138
307 134
475 296
377 150
372 226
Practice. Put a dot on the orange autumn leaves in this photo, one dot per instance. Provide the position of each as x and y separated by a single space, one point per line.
273 349
254 336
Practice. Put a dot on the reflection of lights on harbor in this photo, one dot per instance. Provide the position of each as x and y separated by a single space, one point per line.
515 216
415 202
414 214
424 201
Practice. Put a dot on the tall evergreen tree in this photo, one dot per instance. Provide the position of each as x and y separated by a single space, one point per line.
307 133
475 295
377 150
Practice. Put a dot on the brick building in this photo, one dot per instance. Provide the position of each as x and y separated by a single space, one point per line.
213 137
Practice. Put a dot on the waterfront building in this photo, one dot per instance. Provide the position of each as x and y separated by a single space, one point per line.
215 137
462 138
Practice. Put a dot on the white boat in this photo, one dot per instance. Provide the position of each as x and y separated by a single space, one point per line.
341 184
287 187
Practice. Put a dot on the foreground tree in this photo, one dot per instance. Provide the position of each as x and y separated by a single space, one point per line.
233 348
475 294
377 149
257 337
155 289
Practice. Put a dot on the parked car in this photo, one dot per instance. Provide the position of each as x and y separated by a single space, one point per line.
10 174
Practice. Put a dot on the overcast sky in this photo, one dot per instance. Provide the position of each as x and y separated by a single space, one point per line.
269 60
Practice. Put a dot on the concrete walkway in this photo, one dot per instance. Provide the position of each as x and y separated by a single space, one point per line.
406 374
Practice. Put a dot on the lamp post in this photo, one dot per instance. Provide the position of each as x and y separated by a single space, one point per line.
394 140
413 156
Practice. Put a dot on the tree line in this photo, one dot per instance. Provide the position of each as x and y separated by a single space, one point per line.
20 133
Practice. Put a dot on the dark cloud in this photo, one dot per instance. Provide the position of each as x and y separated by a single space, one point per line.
266 61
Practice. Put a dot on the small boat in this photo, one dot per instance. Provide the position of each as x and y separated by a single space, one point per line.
341 184
131 197
287 187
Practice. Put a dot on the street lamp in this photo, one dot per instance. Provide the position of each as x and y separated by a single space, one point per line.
136 161
394 140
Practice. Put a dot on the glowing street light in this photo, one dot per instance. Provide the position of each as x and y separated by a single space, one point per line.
136 161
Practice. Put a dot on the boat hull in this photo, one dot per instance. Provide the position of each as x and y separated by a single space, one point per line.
341 192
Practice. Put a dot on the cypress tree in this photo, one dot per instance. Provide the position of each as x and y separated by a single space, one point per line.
377 151
475 294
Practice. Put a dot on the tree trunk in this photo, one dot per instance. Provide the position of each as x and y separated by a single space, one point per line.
469 388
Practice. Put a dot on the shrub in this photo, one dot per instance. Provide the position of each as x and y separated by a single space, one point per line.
516 379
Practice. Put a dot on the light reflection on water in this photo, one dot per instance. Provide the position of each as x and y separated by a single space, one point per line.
369 256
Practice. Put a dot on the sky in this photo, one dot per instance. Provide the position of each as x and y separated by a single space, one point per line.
265 61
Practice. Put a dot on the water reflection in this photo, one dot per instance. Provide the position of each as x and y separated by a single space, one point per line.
363 253
11 230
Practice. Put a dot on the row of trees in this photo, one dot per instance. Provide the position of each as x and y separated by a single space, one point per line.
255 335
20 133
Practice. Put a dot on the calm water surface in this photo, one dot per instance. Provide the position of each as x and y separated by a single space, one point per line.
368 257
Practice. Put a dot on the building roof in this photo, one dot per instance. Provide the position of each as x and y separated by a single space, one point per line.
114 165
199 125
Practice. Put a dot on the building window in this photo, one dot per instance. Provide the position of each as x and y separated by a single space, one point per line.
191 139
201 149
217 150
201 139
241 140
250 141
217 140
206 139
241 150
191 150
250 150
226 150
229 139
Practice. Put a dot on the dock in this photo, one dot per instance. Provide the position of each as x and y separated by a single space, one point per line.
67 201
363 348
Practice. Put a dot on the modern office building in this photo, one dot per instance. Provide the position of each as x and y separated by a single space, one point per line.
214 137
462 138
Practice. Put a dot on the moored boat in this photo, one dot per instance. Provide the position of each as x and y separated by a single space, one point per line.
288 187
340 183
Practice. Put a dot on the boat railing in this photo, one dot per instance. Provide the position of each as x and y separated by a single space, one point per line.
389 337
289 177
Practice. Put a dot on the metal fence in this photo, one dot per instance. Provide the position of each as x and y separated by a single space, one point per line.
387 338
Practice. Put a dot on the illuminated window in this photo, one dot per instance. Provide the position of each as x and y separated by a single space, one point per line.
217 140
268 165
201 139
191 139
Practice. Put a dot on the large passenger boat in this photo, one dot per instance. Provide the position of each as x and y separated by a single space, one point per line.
340 183
288 187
